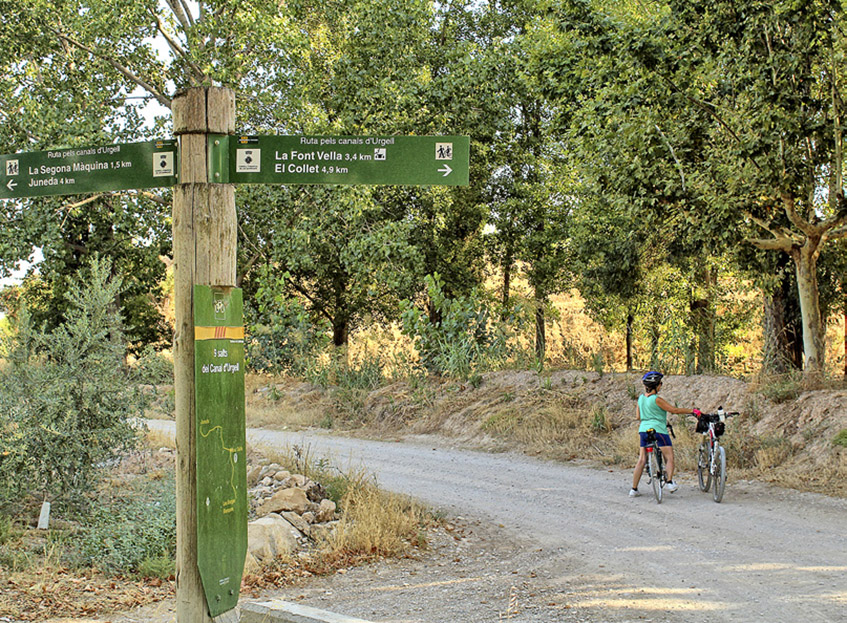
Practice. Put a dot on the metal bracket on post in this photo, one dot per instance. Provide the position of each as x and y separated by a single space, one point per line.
218 153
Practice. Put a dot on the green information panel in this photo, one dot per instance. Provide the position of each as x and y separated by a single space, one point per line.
407 160
221 444
80 170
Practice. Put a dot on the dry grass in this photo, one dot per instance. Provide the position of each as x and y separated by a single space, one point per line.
374 523
160 439
275 402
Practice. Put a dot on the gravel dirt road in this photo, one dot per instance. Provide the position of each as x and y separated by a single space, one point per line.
537 541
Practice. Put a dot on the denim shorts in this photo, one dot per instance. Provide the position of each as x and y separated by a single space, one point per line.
661 438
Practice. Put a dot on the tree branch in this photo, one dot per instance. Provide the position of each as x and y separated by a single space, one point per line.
710 112
160 97
772 244
76 247
247 268
79 204
799 222
673 153
181 12
837 234
177 48
153 197
315 303
780 234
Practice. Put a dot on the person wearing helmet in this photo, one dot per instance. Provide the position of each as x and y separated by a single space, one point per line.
652 411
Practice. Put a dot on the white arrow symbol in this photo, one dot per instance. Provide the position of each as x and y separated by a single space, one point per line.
11 185
446 170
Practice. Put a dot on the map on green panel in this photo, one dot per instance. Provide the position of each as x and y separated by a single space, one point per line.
406 160
81 170
221 444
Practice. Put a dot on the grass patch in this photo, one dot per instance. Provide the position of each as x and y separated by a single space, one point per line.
780 388
840 439
118 544
375 523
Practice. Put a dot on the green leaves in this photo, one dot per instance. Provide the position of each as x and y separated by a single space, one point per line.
458 337
66 405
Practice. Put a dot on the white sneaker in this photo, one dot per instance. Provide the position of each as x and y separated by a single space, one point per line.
633 493
672 486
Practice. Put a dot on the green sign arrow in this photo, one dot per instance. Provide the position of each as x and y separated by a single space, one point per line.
221 444
81 170
406 160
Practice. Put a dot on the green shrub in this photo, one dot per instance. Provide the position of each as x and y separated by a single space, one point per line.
782 388
6 528
365 373
66 401
841 438
132 533
162 566
599 421
154 368
466 339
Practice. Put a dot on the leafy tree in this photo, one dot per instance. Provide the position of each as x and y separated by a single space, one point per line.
767 75
716 118
66 403
55 92
420 73
527 185
338 251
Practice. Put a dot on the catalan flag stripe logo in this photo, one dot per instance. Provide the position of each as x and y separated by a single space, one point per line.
218 333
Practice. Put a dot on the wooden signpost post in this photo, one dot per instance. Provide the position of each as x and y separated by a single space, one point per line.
211 485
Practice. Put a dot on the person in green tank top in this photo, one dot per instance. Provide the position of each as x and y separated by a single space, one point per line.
652 412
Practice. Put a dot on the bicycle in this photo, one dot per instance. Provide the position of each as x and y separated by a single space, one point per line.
711 456
655 464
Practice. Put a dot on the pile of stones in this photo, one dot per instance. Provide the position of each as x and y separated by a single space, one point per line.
288 511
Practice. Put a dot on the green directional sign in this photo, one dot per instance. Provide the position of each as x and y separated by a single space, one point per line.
221 444
406 160
81 170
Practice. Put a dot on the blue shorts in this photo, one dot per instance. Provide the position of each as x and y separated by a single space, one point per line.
661 438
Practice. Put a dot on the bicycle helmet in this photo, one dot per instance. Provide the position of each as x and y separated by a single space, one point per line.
652 380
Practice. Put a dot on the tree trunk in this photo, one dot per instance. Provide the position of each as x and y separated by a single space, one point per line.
540 331
629 322
340 331
507 284
805 262
776 358
654 347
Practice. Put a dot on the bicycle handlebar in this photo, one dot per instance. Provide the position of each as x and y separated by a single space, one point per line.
711 415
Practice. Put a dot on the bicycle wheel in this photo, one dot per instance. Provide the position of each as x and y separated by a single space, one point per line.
656 473
720 474
704 476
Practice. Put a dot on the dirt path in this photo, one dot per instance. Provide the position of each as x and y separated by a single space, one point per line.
542 541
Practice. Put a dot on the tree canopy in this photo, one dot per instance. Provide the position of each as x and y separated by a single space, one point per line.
628 149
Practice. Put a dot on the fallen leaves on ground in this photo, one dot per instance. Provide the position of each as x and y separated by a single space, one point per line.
59 592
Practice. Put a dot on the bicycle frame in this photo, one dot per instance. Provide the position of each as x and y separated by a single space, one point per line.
711 449
654 449
713 445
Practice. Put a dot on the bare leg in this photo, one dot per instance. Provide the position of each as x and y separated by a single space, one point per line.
667 452
639 467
